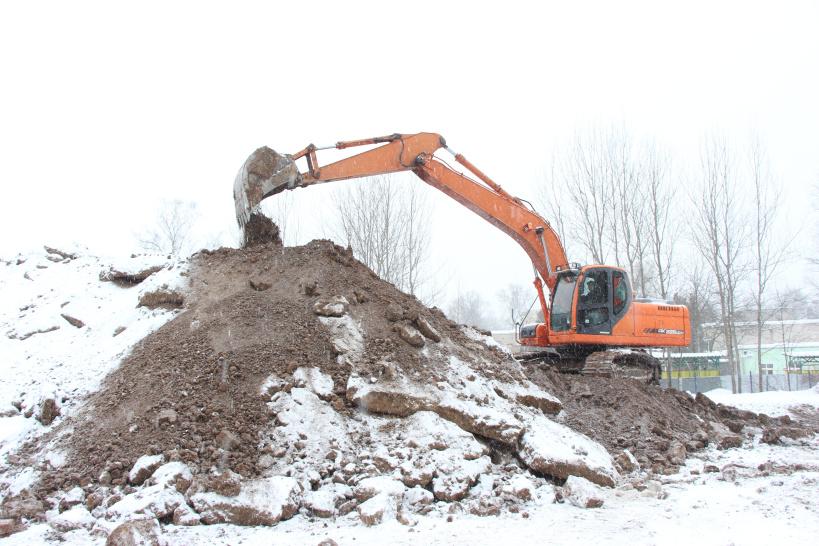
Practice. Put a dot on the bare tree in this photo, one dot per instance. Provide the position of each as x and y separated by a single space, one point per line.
720 234
767 254
468 308
659 197
171 232
386 223
515 300
586 183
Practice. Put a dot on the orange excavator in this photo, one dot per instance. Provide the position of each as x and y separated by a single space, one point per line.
593 325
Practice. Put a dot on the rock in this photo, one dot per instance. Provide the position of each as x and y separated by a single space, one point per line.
496 425
370 487
417 497
328 542
48 411
75 322
128 278
23 508
259 285
676 453
162 298
486 506
521 487
157 501
62 254
582 493
545 402
8 527
226 484
553 449
166 417
335 306
175 474
142 532
729 440
450 488
427 330
373 510
118 330
413 476
74 497
410 335
710 469
321 503
263 501
78 517
184 515
144 467
394 312
626 461
94 499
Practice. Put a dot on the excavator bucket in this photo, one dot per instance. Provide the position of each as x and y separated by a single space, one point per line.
263 174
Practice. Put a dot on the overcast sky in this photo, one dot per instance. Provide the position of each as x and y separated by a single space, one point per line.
107 108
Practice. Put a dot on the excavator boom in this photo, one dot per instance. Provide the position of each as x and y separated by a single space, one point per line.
267 172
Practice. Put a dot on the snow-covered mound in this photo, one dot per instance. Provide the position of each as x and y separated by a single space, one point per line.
63 328
773 403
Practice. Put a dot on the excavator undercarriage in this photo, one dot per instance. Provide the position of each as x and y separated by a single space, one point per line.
597 361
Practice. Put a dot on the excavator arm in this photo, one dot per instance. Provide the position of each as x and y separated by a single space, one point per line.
266 173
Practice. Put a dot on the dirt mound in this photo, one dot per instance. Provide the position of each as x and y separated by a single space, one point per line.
193 390
657 427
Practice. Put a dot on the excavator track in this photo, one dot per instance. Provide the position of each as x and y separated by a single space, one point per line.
627 363
637 365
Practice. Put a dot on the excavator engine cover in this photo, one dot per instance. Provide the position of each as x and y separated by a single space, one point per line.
263 174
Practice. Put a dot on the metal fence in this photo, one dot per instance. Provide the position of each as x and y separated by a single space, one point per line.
805 379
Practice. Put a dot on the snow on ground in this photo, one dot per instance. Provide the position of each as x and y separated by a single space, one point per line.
42 354
756 496
772 403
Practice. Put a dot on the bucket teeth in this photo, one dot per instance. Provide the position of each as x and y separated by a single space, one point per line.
263 174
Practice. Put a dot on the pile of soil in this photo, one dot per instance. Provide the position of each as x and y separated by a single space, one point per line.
191 390
659 427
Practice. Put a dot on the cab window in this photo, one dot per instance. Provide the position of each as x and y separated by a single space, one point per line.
620 292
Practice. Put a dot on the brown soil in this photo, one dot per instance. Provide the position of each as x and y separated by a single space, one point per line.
260 230
208 364
650 422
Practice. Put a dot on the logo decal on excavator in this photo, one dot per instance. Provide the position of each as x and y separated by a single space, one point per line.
663 331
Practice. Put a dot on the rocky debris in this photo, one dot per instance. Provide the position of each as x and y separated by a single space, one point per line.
23 337
8 527
410 335
581 493
394 312
184 515
118 330
334 306
77 517
313 380
427 329
129 278
263 501
774 434
163 298
73 321
74 497
260 230
144 467
555 451
62 254
259 285
48 410
373 510
23 507
141 532
166 417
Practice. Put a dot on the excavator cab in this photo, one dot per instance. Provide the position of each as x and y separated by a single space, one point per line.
599 294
